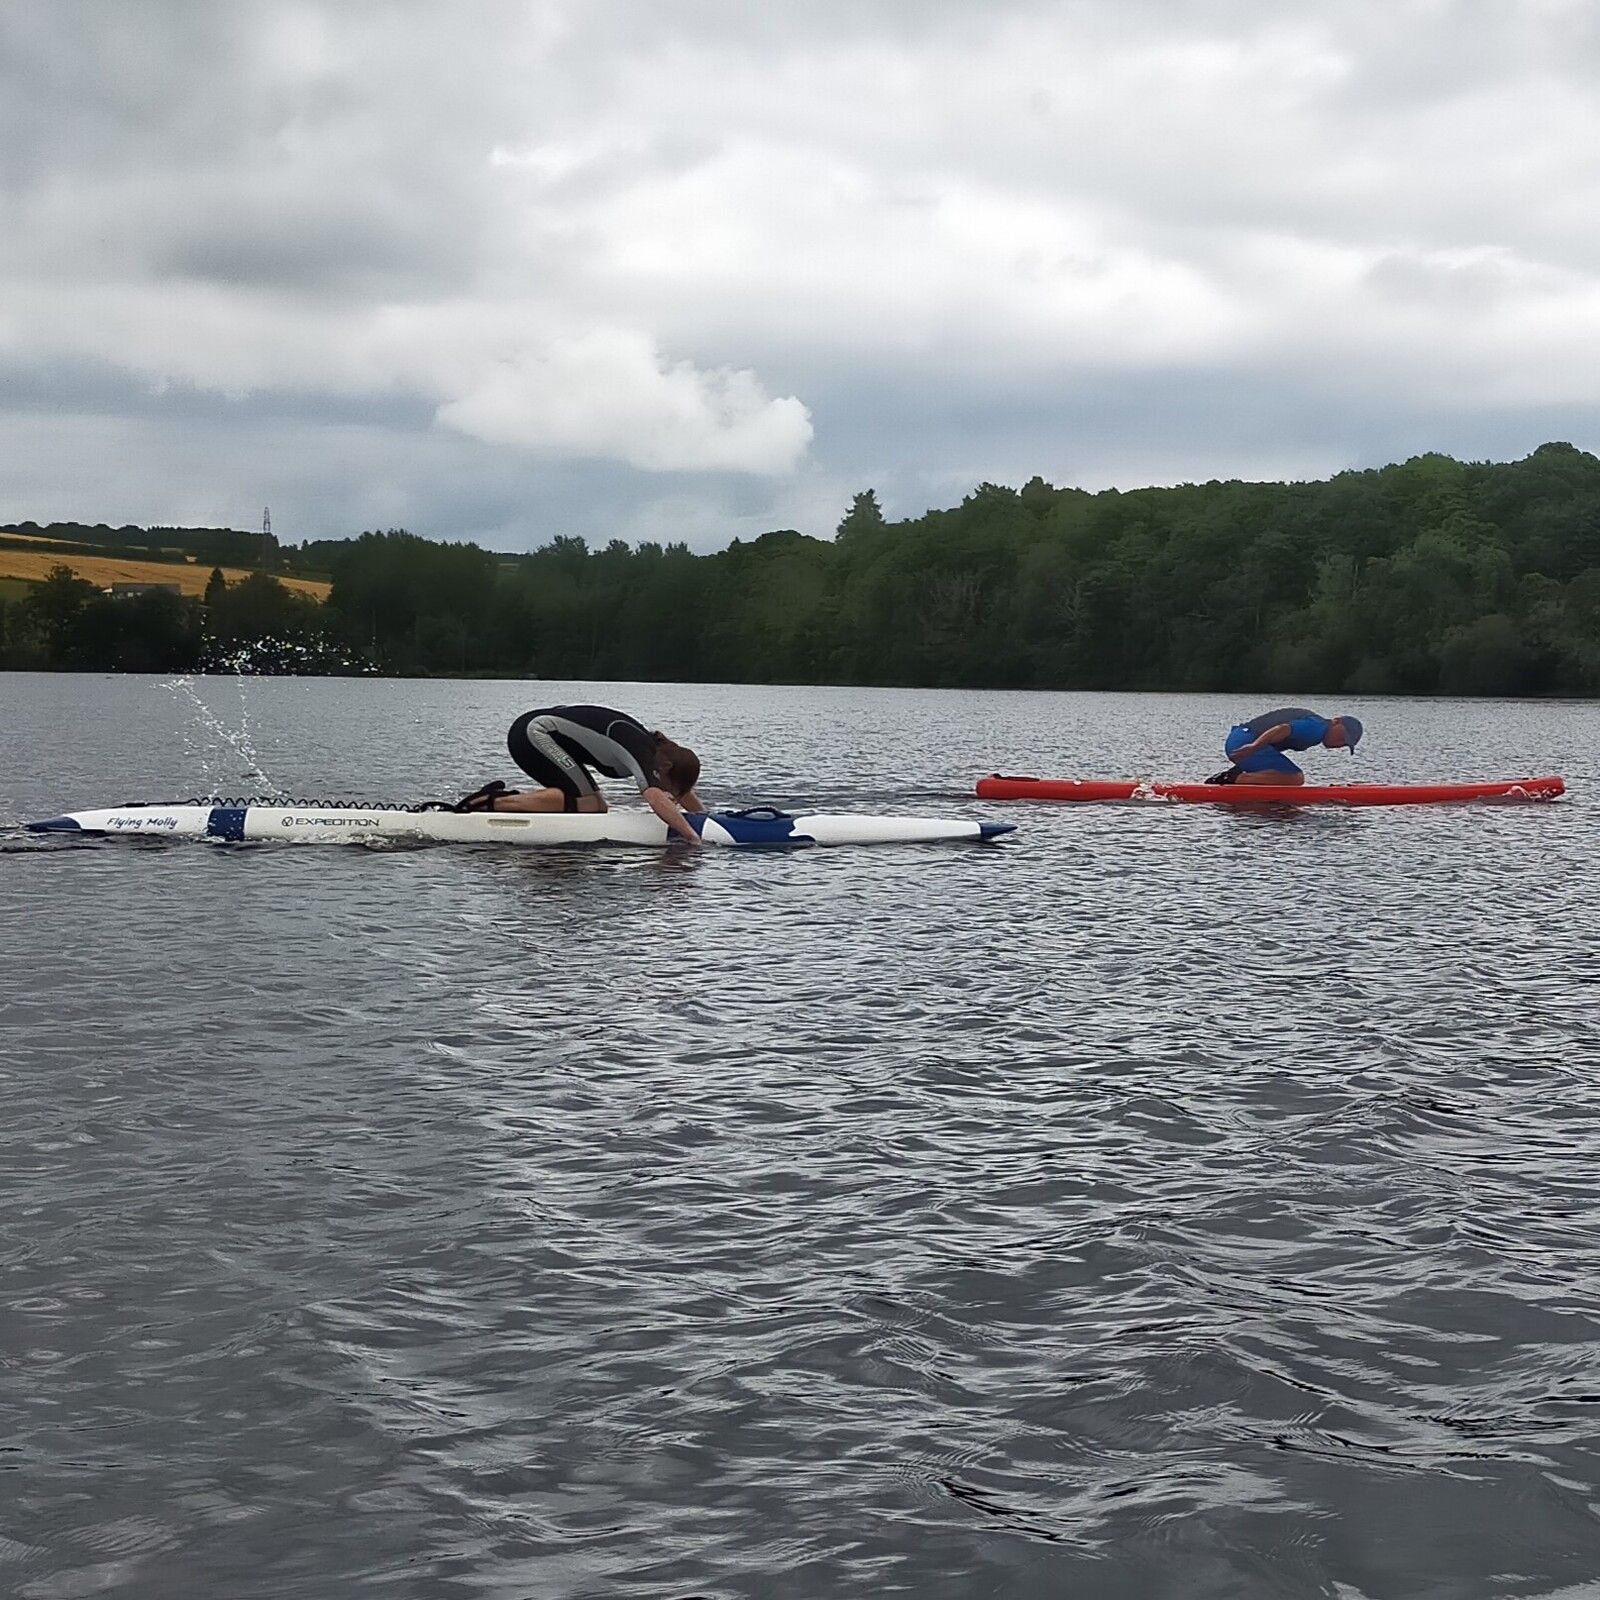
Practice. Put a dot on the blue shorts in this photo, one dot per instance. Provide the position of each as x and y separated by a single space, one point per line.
1269 758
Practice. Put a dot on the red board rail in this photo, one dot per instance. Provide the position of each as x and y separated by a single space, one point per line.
1508 791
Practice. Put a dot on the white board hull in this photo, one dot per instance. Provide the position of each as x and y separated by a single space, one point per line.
290 824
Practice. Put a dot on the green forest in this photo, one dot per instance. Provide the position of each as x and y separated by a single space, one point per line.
1432 576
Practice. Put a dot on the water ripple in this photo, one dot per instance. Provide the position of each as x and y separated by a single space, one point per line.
1159 1204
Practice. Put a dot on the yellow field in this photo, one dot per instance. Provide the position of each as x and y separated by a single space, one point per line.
190 576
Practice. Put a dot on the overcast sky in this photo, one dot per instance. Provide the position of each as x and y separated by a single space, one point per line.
691 269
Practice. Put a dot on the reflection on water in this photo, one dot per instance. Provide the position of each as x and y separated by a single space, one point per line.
1160 1203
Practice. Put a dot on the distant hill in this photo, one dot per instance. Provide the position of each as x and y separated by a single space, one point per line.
32 563
219 546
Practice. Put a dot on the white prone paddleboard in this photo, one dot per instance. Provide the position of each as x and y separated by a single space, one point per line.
317 824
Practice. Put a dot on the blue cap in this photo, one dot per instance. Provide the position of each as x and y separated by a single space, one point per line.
1352 732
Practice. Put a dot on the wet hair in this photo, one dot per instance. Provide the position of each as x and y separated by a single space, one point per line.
678 764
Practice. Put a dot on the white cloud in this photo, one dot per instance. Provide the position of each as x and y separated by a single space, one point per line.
608 393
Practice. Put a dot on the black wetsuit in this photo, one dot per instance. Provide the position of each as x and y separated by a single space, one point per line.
558 745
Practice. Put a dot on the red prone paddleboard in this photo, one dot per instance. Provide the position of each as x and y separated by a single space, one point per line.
1250 794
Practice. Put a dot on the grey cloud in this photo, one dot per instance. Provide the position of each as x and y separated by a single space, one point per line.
89 388
1103 429
89 84
369 245
1472 286
185 137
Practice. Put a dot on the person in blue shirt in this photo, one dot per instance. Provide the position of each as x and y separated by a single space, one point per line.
1256 748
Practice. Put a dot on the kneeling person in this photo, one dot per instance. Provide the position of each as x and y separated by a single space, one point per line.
1256 748
558 745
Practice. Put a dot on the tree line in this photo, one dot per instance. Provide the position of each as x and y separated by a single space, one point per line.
1432 576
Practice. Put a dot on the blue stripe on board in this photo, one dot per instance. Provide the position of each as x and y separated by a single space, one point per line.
225 822
777 829
993 830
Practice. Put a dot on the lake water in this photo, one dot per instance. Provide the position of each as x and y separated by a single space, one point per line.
1162 1202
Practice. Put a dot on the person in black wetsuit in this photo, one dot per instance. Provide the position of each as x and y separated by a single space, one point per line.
558 745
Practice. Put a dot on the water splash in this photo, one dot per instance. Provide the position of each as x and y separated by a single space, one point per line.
224 752
214 742
310 655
